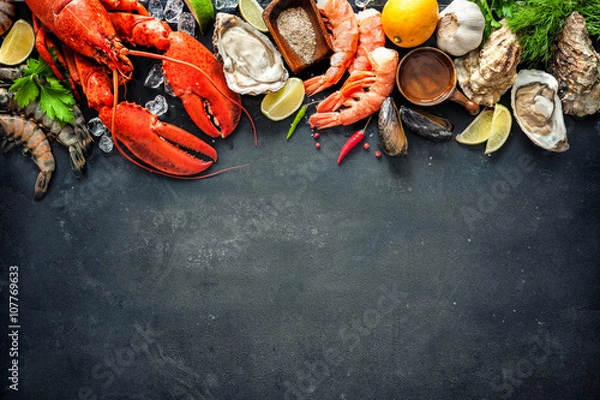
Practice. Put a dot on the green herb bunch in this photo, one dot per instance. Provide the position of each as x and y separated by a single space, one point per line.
539 22
493 11
39 81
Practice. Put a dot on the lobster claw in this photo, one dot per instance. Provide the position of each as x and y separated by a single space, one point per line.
209 102
157 144
192 71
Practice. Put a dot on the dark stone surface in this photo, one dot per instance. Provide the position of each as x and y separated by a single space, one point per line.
444 274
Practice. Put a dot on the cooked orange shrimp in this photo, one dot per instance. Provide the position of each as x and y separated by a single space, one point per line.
16 129
370 37
362 94
341 21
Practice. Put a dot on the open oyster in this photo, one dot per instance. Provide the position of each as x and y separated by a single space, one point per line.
538 110
486 74
576 65
251 63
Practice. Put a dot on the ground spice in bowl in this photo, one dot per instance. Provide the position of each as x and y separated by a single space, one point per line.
296 29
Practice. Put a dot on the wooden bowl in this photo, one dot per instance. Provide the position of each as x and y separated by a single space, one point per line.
293 60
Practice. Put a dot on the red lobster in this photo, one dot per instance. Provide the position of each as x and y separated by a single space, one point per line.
93 42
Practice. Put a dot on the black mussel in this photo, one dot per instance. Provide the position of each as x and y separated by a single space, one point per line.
429 126
391 133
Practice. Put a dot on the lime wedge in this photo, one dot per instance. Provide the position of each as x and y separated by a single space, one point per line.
284 102
501 124
204 13
252 13
478 131
18 43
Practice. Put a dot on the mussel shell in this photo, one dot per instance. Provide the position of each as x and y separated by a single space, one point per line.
391 133
429 126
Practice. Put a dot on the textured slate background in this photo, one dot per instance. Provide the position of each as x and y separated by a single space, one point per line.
445 274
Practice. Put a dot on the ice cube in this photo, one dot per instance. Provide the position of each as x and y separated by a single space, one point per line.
106 143
361 3
187 23
155 8
173 10
226 4
96 127
169 89
155 77
158 106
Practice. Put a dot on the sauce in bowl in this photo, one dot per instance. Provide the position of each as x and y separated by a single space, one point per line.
426 76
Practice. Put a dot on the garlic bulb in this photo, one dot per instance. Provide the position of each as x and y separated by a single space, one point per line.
460 28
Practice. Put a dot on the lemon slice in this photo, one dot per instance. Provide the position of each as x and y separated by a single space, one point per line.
284 102
252 13
18 43
501 124
204 13
479 130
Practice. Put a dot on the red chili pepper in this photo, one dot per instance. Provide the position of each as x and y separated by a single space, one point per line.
352 142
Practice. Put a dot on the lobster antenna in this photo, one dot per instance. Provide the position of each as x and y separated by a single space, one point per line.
188 64
115 100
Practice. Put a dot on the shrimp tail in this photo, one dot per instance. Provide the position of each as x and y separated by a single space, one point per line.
41 185
325 120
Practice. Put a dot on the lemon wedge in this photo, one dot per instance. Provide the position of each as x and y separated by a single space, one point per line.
203 12
252 13
18 43
478 131
284 102
500 129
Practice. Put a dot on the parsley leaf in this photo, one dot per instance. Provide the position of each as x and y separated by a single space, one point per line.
39 81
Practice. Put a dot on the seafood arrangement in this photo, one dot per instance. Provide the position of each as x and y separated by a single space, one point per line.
90 43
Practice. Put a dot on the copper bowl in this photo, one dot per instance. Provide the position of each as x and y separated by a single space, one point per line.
293 60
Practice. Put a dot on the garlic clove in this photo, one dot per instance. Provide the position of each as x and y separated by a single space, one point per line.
460 28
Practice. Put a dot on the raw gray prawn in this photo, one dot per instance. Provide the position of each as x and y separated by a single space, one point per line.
76 138
15 129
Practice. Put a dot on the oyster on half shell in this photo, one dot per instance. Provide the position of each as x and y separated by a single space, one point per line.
538 109
251 62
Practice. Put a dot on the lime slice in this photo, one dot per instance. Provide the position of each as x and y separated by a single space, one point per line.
252 13
18 43
204 13
284 102
478 131
501 124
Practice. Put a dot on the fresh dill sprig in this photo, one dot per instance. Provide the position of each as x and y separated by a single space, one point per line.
537 23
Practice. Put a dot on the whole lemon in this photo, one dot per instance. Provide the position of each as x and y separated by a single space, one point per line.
409 23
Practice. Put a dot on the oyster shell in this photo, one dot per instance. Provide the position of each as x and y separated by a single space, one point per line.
538 109
485 74
251 63
576 65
